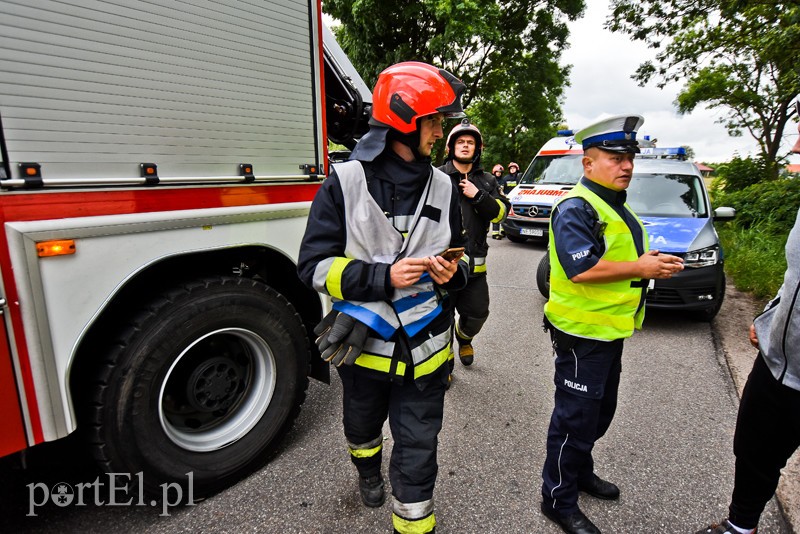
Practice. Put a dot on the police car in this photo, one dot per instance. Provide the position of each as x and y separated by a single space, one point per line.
669 196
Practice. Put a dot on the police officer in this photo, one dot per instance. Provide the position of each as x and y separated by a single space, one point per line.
376 233
482 203
600 266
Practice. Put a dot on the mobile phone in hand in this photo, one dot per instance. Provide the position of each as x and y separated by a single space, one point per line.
453 253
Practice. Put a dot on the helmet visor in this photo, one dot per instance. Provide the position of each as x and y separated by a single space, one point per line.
453 110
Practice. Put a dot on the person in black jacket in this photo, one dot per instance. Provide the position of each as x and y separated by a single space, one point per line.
497 230
767 429
375 242
507 184
482 202
510 180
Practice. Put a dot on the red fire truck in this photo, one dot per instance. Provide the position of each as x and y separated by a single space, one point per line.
157 163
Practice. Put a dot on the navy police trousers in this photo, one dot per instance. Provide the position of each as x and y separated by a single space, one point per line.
587 382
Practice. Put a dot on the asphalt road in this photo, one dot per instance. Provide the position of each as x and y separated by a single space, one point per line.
669 448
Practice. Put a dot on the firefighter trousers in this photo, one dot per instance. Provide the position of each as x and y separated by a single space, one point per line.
415 419
472 305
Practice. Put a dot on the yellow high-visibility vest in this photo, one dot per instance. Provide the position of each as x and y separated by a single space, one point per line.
604 311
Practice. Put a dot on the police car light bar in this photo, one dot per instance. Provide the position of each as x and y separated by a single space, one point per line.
664 153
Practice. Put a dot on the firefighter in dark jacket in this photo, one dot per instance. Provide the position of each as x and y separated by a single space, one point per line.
482 203
510 180
376 234
497 230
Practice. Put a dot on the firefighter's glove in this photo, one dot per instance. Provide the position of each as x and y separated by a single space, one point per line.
322 329
341 342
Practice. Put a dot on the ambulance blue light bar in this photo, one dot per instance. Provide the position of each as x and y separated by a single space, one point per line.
564 133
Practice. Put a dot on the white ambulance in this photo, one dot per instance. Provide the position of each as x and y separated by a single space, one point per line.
555 169
552 173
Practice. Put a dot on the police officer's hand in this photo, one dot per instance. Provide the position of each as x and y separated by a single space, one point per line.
442 270
342 342
407 271
655 265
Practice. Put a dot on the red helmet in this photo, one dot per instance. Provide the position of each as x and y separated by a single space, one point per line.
410 90
512 164
497 168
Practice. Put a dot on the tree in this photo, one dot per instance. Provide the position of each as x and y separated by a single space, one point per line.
739 56
738 173
507 53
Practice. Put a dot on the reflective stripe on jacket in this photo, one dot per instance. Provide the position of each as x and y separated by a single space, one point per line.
605 311
371 237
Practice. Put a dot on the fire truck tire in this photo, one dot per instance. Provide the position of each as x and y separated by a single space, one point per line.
543 276
199 386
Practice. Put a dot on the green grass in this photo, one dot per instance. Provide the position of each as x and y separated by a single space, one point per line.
755 240
754 257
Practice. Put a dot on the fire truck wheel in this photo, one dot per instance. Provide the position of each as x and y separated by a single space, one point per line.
200 386
543 276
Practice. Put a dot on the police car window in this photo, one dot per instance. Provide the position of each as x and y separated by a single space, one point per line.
566 170
667 195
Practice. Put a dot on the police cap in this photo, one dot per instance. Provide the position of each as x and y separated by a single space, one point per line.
615 134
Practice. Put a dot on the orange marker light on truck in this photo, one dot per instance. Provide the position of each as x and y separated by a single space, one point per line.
61 247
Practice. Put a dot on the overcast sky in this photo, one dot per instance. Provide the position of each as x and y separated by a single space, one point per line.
603 63
601 86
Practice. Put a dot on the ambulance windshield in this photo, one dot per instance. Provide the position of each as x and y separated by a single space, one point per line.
555 170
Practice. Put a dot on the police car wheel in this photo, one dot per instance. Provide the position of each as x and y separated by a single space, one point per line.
543 276
205 379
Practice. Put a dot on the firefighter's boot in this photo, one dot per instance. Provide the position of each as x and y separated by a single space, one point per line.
466 353
372 491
